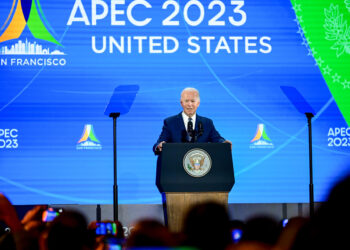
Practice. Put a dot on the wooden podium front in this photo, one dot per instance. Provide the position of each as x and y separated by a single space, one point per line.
178 204
180 190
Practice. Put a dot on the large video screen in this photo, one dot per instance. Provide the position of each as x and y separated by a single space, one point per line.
60 62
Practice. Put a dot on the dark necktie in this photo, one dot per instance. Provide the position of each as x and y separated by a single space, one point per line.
190 129
189 126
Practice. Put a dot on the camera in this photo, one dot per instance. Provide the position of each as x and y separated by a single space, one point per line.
284 222
50 214
114 243
106 228
236 235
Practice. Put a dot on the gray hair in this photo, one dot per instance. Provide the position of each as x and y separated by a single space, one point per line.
192 90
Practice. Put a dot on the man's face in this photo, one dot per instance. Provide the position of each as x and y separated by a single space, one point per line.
189 102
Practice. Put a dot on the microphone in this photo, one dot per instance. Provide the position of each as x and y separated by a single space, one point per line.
190 131
200 129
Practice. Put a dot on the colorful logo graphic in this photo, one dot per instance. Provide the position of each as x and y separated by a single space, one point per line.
261 140
26 13
88 139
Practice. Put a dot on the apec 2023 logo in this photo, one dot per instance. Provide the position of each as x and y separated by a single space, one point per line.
8 138
28 13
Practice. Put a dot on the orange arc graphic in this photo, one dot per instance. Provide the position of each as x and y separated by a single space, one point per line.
8 18
17 25
85 135
257 136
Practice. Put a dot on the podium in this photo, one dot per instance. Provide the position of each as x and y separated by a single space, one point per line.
192 173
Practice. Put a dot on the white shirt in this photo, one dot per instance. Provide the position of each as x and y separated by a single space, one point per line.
186 117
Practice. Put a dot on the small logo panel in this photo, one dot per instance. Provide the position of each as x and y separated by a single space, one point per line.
261 140
88 139
197 162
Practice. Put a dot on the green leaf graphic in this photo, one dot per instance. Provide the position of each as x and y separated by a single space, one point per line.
326 27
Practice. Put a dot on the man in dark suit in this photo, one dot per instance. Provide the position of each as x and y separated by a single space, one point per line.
188 126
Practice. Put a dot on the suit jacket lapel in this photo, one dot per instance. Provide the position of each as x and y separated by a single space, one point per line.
198 119
180 122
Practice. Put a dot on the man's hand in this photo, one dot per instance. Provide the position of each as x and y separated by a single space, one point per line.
34 214
227 141
160 146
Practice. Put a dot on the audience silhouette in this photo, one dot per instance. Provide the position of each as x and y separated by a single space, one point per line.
148 233
206 226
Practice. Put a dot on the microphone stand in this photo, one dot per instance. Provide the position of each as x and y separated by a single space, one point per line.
303 107
191 133
311 184
194 136
115 185
200 129
194 133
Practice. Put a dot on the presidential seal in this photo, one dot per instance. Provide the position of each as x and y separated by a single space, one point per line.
197 162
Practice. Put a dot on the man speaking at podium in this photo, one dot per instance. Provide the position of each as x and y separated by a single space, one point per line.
188 126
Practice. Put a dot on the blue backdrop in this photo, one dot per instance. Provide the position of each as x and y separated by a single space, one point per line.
44 108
